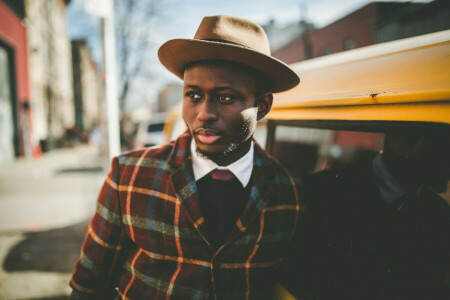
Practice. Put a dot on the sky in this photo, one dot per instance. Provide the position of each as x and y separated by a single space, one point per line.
184 25
180 19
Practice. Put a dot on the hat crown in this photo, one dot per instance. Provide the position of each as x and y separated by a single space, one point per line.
235 30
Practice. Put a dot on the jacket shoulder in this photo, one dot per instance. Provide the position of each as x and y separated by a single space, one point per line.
156 157
286 185
270 164
161 152
280 170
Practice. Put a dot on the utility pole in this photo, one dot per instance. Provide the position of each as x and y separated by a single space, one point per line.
105 10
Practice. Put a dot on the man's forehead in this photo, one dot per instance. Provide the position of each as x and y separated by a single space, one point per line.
218 72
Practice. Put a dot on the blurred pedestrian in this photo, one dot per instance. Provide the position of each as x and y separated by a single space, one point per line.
377 229
128 131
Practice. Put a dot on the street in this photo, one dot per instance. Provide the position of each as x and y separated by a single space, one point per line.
45 208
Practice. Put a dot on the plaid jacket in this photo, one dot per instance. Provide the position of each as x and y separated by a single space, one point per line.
148 235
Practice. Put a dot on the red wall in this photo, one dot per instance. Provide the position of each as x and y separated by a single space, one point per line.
291 53
355 26
14 33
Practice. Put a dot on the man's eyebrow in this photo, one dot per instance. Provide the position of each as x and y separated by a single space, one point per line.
192 86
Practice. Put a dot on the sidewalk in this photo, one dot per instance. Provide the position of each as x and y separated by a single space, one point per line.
45 205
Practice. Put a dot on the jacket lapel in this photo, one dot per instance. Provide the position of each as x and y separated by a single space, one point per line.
184 185
260 193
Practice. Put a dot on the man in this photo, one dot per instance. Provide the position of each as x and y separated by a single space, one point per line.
377 229
208 215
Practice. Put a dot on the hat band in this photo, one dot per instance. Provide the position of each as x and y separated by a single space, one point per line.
225 42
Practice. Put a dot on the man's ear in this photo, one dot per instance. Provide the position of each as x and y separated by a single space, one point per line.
264 104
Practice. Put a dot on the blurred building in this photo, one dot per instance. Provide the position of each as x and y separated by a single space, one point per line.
88 109
413 20
50 71
281 35
376 22
170 95
15 123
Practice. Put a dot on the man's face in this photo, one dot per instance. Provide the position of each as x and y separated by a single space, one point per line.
219 109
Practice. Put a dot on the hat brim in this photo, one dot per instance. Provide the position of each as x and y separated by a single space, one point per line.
176 54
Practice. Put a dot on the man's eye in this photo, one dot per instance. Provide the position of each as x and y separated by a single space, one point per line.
193 96
225 98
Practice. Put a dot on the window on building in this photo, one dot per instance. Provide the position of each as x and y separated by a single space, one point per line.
349 44
326 50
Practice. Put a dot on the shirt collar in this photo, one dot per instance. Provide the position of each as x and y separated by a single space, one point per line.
390 189
242 168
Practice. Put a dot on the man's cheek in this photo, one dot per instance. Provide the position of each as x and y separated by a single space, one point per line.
250 113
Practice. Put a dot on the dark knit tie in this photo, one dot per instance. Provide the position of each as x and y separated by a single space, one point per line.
222 200
224 175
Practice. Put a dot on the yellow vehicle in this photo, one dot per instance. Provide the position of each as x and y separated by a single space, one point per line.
361 93
347 101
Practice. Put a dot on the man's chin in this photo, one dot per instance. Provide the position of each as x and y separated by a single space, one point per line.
219 154
211 155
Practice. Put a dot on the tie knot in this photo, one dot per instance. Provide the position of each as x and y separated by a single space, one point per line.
224 175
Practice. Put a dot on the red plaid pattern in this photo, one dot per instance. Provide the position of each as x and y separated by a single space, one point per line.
148 235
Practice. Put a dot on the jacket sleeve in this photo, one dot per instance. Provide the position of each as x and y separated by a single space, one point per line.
102 244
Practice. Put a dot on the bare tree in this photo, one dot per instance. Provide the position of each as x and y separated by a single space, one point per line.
134 19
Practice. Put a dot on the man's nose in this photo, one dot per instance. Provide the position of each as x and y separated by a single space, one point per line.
207 111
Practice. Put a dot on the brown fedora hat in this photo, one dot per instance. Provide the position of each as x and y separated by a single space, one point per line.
233 39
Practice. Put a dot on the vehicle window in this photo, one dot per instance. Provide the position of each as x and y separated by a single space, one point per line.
260 134
155 127
308 150
305 150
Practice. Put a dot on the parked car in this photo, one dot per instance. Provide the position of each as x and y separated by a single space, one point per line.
150 132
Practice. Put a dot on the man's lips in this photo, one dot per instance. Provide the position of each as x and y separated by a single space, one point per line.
207 136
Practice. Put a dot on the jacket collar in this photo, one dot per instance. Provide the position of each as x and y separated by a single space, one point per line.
185 188
242 168
180 152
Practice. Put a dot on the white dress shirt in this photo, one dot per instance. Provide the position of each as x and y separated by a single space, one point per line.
242 168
